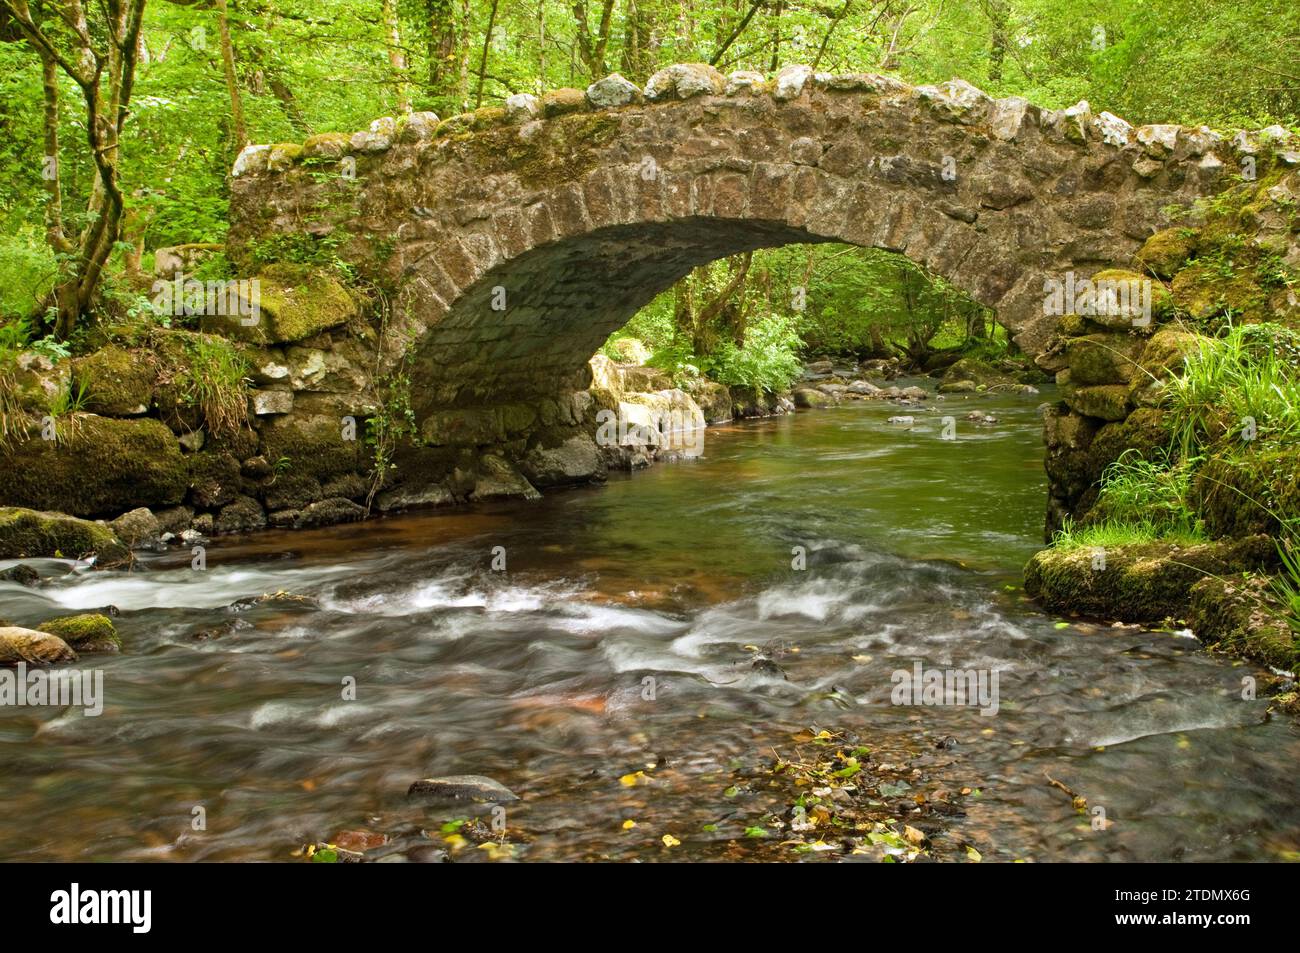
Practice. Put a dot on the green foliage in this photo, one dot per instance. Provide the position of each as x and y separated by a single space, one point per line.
769 358
1149 493
27 271
393 422
1248 380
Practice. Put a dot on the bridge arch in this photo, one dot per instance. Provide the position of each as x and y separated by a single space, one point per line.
515 240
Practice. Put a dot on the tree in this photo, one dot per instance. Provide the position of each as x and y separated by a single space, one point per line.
97 50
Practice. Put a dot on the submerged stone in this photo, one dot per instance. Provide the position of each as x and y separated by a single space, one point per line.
462 787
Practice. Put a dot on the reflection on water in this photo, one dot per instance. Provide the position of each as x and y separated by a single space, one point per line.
536 676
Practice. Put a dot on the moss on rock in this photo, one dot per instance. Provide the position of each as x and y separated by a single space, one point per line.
1141 582
1129 290
1249 492
557 102
117 382
1206 289
313 446
101 466
294 302
327 145
1166 252
1103 401
1104 358
1241 616
87 632
563 150
28 533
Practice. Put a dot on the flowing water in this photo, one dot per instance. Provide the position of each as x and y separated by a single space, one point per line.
654 625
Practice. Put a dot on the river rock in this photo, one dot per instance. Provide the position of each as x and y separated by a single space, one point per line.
462 787
86 632
811 398
409 497
329 512
139 527
33 533
22 574
243 515
35 648
575 460
499 480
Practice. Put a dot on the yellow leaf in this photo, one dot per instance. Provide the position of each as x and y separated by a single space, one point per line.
670 840
455 841
632 780
629 824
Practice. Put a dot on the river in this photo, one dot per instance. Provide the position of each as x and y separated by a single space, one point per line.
647 652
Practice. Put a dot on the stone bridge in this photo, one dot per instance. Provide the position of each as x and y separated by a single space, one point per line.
515 240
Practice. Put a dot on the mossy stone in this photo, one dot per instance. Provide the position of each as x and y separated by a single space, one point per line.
31 533
1162 302
1103 358
117 382
99 466
557 102
1140 582
1103 401
1248 490
1166 252
314 446
327 145
1241 616
1204 290
294 302
88 632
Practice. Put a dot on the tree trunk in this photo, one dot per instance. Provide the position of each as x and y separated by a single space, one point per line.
396 55
238 130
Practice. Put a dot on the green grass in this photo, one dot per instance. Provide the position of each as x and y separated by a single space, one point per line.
1118 533
1286 584
215 383
1246 384
1136 491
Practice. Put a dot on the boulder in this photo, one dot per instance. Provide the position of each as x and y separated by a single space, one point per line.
139 527
99 465
574 460
1242 616
243 515
87 632
811 398
116 382
1141 582
499 480
329 512
28 533
613 90
413 497
291 303
1166 252
33 647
